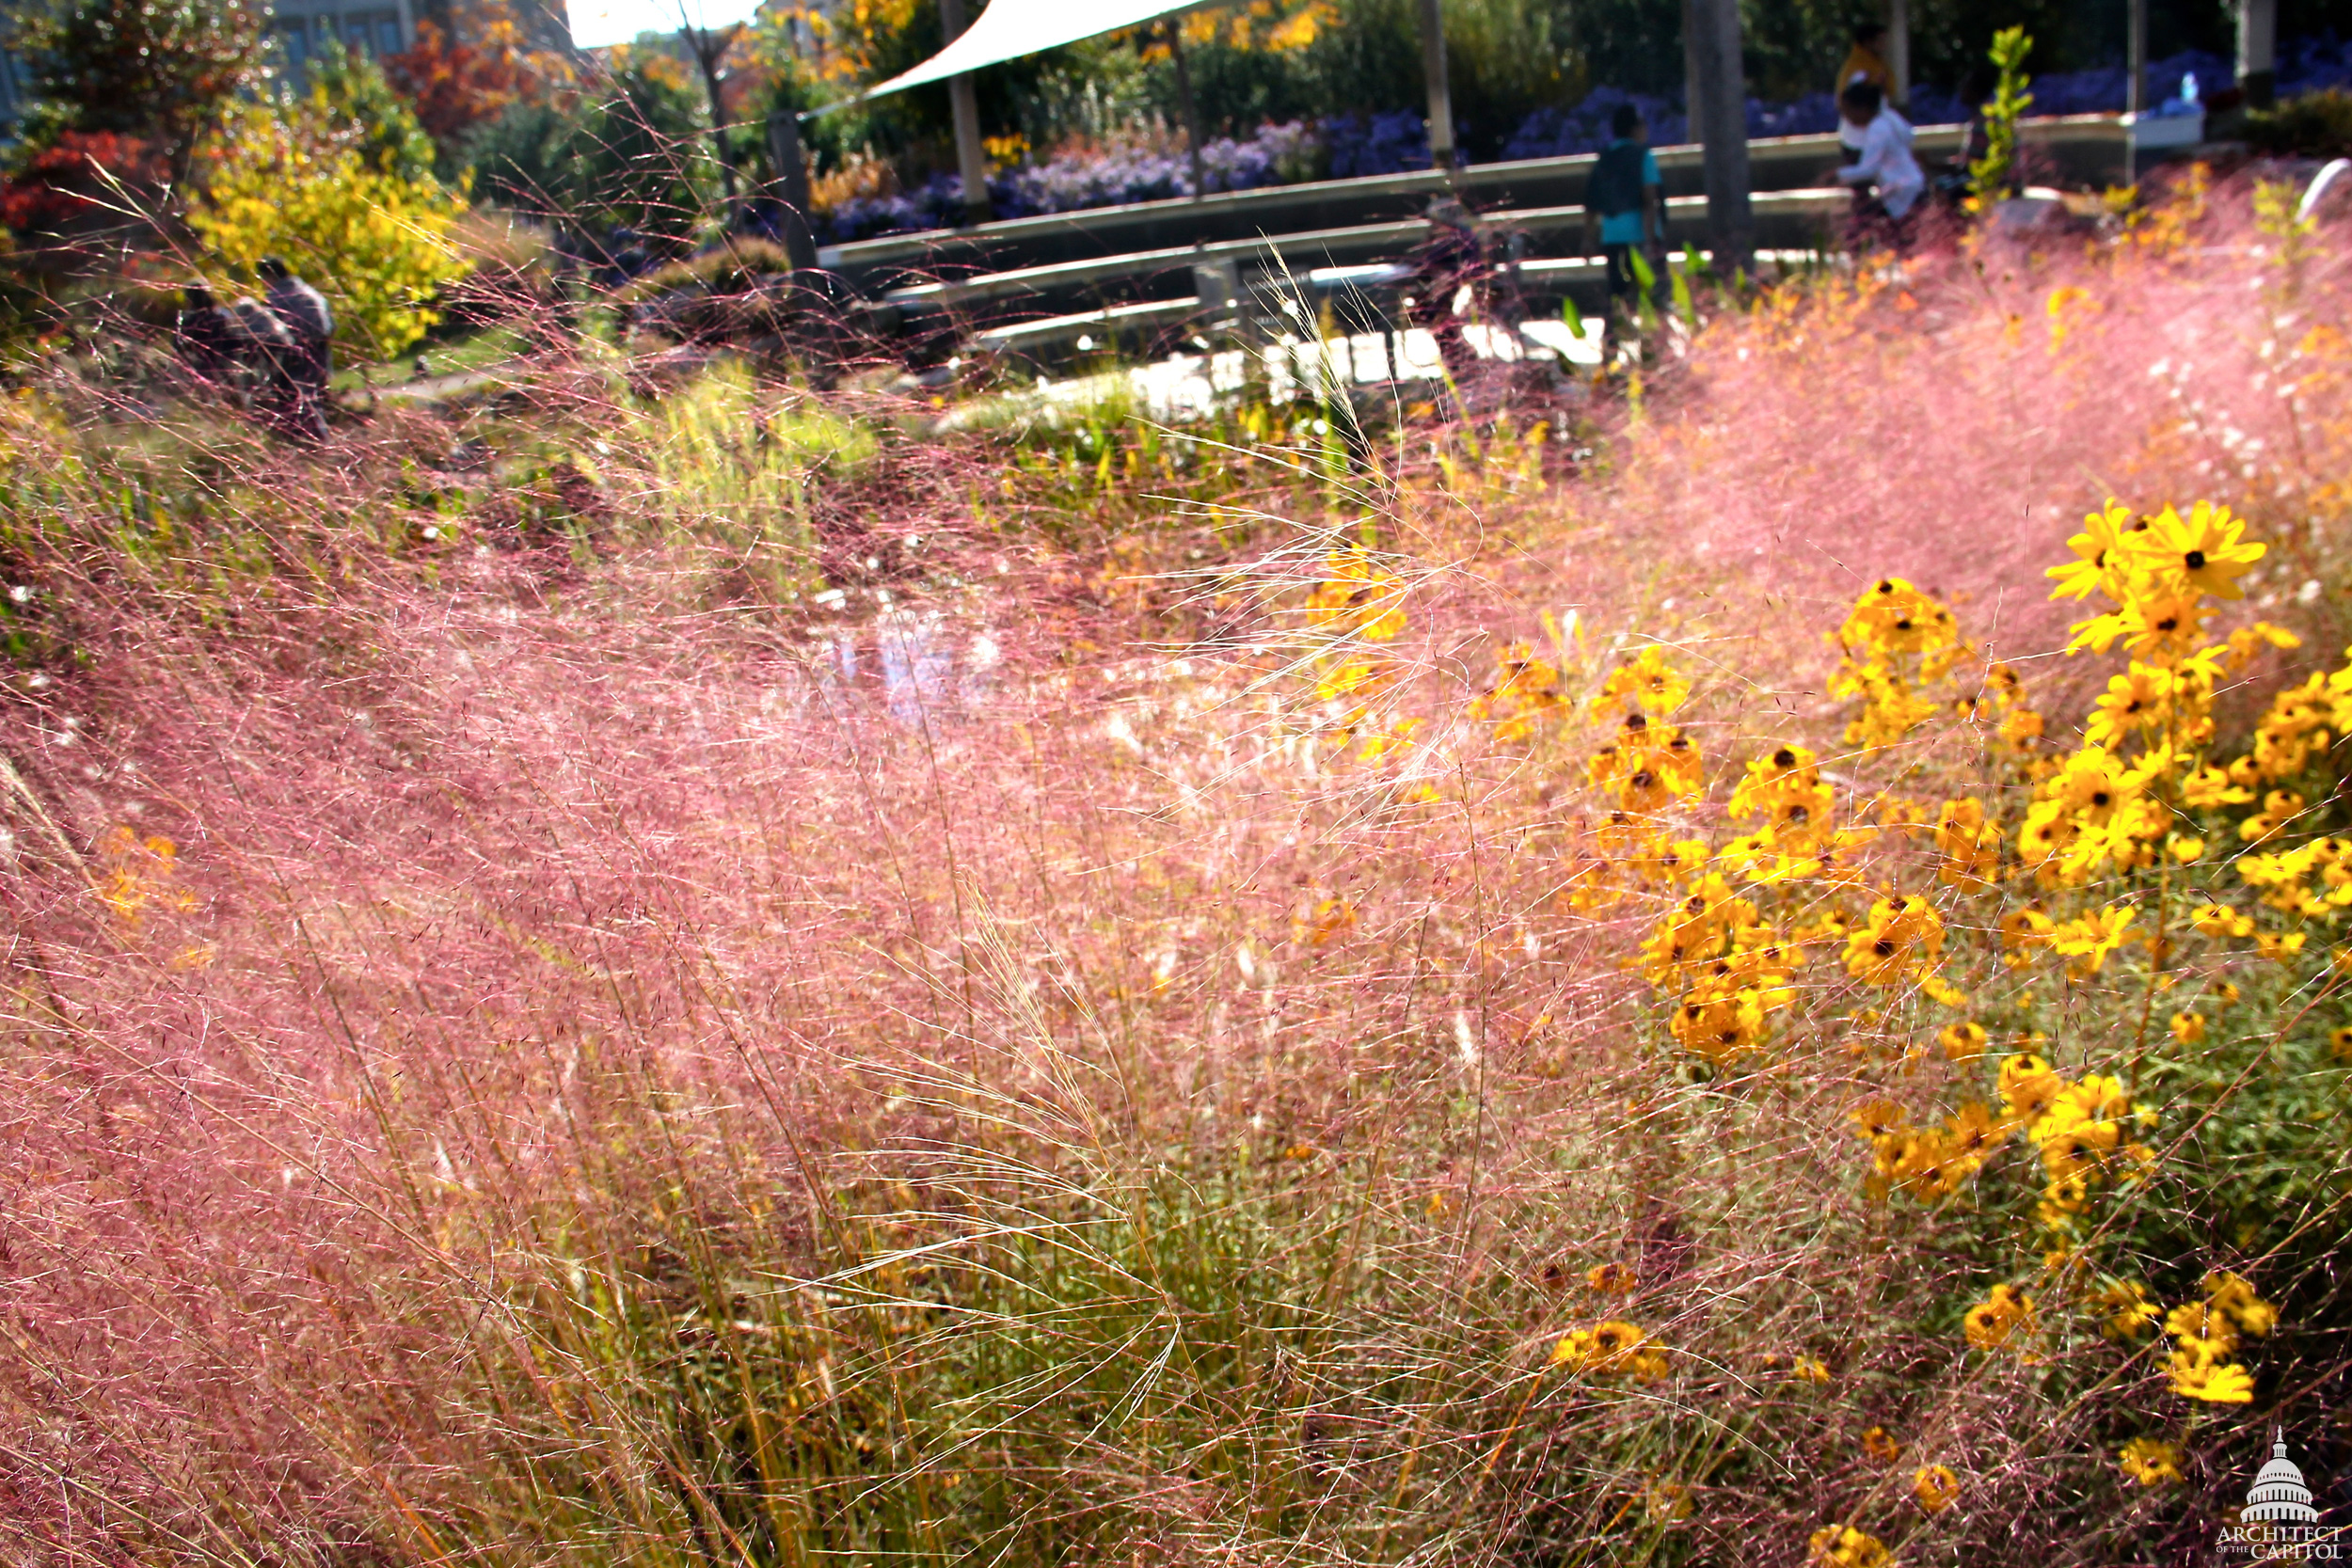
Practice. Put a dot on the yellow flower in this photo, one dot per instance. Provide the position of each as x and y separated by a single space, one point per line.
2279 949
1647 682
2216 1383
1962 1042
1606 1347
1935 1487
2220 920
1844 1546
2339 1041
2130 1311
2203 553
2208 787
2022 932
2096 563
1969 842
1902 935
1881 1444
2235 1299
1993 1322
1785 787
2189 1028
2027 1084
1719 1026
1894 617
2088 939
2140 698
1809 1370
1358 597
1938 989
2148 1462
1615 1279
2188 848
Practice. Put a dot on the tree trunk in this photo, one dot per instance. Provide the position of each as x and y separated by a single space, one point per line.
1440 95
1722 80
1185 101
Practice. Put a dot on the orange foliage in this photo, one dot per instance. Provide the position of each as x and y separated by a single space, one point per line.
455 85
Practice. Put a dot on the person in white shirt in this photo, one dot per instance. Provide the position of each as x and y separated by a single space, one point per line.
1886 161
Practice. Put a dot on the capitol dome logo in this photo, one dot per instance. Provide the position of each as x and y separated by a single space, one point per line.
2279 1522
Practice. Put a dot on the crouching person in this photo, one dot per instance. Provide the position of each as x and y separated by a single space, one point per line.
309 327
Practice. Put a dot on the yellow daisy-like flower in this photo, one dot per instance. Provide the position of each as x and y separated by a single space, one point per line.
1844 1546
1614 1279
1962 1042
2216 1383
1902 935
1647 682
1994 1320
2027 1084
2205 552
1880 1445
2220 920
2150 1461
1807 1369
1935 1487
2233 1298
2088 939
2279 948
2130 1311
2189 1028
1937 988
2097 564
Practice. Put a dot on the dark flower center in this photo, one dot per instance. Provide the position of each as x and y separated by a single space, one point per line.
2196 560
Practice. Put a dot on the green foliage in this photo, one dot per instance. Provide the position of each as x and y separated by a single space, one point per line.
374 243
639 156
2311 125
351 105
523 159
163 70
1994 175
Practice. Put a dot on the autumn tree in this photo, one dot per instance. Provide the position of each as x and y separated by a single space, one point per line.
161 71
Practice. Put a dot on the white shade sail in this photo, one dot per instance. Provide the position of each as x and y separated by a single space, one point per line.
1011 28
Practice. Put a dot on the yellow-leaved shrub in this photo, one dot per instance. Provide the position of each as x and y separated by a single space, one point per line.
377 244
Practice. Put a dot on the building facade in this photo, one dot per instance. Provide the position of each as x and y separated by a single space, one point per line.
303 27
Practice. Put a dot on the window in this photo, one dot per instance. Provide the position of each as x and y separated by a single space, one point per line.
294 33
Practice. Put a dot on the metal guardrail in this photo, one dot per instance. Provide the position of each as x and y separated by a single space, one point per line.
2083 150
1021 268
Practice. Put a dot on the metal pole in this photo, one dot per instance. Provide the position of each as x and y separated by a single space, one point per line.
1722 82
2258 52
1440 96
1184 100
1899 53
2135 58
971 162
